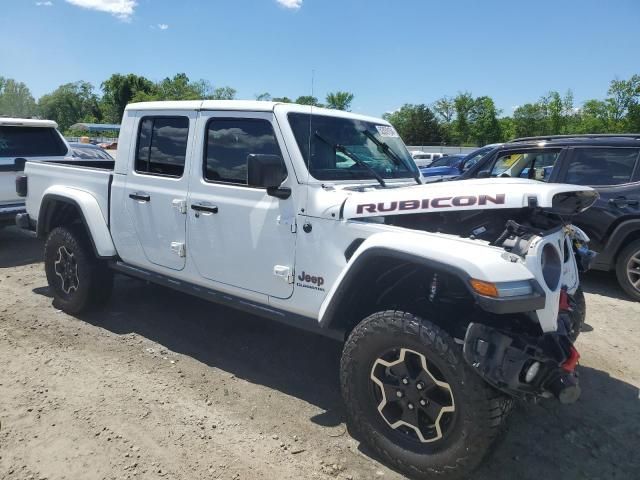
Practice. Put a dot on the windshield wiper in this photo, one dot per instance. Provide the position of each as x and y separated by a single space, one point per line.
391 154
342 149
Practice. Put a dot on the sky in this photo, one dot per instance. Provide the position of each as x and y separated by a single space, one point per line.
387 52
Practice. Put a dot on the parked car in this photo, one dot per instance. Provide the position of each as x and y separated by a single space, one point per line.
87 151
24 139
424 159
320 221
454 165
608 163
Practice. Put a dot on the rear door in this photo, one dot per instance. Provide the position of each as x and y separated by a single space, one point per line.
156 188
615 173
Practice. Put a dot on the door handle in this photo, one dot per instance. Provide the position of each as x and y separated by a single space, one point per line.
199 207
622 202
140 197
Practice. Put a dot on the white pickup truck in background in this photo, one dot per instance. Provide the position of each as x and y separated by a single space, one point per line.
451 298
23 139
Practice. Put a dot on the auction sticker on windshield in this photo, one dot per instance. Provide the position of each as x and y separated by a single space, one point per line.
386 131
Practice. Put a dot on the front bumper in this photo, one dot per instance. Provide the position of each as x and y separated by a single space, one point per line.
521 365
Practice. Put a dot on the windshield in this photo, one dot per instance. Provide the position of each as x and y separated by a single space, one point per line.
327 162
441 162
473 158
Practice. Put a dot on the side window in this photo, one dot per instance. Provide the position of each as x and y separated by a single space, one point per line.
230 141
162 146
533 165
602 166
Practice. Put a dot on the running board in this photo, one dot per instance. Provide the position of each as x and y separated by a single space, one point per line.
291 319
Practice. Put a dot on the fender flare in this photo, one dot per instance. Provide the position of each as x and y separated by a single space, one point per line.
332 302
609 253
91 217
428 254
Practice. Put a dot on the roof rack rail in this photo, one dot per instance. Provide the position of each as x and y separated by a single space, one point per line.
587 135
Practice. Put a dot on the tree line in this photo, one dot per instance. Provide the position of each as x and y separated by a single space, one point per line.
468 120
80 102
459 120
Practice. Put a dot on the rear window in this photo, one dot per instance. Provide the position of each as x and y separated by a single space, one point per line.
31 142
602 166
91 154
162 146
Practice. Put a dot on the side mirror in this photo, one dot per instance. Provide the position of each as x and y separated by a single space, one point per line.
267 171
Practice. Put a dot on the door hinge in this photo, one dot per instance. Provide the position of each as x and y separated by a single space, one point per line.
291 221
283 272
179 249
180 205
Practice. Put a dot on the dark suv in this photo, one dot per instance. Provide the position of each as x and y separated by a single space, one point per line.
608 163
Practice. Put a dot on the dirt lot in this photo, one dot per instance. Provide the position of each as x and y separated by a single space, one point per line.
162 385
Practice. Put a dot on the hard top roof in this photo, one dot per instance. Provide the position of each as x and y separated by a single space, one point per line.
248 106
26 122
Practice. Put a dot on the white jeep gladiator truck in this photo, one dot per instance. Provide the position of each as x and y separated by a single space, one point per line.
23 139
451 298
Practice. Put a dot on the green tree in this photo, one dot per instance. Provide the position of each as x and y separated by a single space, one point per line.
529 120
445 109
222 93
119 90
70 103
282 100
463 104
308 100
484 126
623 95
416 124
263 97
339 100
593 117
16 99
181 88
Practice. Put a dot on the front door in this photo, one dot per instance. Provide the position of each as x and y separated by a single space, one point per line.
156 190
238 235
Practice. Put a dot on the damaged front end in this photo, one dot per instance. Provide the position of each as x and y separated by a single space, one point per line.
524 366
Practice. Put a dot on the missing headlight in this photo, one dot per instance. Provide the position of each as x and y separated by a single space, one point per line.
551 266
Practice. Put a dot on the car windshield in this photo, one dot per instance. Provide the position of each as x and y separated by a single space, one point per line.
441 162
475 156
327 162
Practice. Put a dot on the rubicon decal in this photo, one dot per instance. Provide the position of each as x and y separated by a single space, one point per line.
431 203
307 280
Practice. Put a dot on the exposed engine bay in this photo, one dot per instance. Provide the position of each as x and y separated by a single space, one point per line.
506 228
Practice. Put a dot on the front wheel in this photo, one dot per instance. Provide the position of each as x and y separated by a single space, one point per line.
412 399
77 279
628 269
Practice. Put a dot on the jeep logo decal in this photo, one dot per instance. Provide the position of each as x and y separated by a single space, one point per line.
428 203
310 281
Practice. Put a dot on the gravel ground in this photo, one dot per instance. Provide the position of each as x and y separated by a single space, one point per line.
163 385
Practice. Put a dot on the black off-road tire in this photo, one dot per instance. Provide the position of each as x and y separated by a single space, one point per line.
624 258
480 409
94 279
580 312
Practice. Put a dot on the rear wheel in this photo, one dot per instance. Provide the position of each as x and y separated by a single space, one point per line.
77 279
411 397
628 269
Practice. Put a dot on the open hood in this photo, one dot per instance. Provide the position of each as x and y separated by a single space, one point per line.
480 194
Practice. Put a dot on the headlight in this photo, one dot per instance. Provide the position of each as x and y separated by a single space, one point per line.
551 266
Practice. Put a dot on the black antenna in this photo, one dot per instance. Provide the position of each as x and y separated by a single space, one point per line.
306 201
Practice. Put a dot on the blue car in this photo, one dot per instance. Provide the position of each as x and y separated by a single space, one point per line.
454 165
